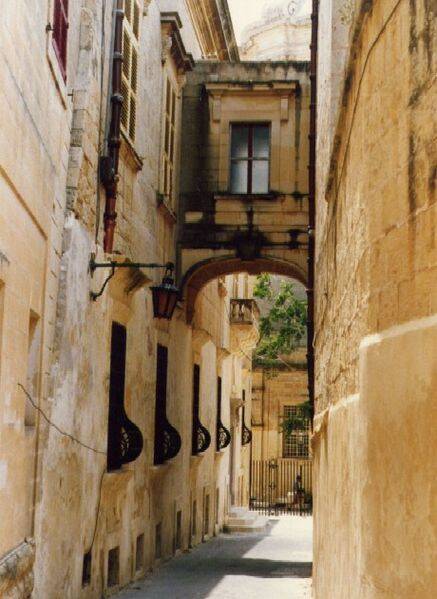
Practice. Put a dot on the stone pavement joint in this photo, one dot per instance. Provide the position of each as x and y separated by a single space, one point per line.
275 564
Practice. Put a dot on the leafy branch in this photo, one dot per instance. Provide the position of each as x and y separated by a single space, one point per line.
284 327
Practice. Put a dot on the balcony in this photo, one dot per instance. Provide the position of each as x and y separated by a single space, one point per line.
243 311
223 436
167 442
201 439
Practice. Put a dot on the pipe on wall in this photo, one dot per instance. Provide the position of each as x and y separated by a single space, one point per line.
109 163
312 202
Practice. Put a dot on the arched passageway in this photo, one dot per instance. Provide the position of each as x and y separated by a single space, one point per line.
205 271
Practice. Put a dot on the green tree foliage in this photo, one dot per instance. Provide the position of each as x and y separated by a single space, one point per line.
281 332
284 327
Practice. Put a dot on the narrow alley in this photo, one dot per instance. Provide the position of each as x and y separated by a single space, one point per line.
218 299
274 564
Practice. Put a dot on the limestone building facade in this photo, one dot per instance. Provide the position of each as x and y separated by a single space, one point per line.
376 321
126 438
276 392
76 518
282 33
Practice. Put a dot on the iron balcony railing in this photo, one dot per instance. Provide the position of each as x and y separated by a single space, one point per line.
201 437
130 442
243 311
223 436
246 435
167 443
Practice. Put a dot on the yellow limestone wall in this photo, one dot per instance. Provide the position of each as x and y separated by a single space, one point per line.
270 393
58 491
376 311
34 139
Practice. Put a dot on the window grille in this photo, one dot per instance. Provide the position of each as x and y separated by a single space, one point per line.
125 441
223 436
296 445
169 142
201 438
250 158
60 34
129 80
167 438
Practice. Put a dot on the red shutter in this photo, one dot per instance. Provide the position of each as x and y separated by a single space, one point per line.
60 31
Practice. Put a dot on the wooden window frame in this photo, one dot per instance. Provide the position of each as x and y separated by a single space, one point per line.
250 157
130 71
60 34
169 140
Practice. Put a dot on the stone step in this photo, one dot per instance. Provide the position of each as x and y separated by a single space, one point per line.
244 521
241 519
257 525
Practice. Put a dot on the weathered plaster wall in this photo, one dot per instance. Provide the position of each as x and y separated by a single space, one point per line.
34 140
376 339
82 507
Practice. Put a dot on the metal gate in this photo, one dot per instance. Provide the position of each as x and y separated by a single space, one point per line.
282 486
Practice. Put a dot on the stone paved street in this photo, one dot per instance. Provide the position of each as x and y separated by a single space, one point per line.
272 565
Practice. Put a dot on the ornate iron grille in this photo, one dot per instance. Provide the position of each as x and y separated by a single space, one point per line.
168 442
131 442
201 438
167 439
223 436
125 441
246 436
246 433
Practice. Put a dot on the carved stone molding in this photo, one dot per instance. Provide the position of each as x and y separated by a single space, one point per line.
172 44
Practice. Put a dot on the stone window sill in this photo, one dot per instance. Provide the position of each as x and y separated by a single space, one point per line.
129 153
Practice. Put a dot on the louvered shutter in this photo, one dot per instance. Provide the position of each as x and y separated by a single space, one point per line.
60 33
129 84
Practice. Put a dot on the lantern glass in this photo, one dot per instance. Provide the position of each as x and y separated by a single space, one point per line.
165 297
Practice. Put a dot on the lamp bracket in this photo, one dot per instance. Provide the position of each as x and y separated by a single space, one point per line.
112 264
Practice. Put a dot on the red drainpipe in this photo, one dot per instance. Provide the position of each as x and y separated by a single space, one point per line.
109 163
312 201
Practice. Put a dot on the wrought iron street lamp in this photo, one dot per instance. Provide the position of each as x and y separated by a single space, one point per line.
165 295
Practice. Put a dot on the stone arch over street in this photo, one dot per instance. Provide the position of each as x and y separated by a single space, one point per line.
205 271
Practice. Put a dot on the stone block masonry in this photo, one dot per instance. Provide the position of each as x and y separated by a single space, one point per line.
376 273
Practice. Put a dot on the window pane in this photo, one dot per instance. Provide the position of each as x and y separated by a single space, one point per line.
239 148
260 176
239 176
261 141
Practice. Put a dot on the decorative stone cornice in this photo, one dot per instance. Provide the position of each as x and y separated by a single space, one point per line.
172 44
213 25
281 88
